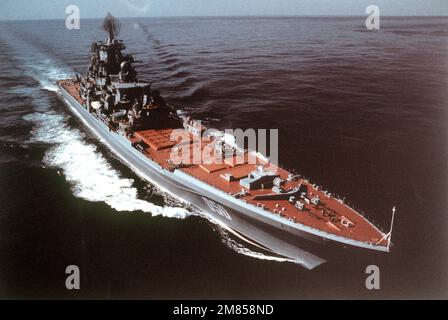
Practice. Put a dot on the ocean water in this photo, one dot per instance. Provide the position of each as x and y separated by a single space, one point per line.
362 113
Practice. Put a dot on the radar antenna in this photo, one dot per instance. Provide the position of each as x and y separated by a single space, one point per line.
112 26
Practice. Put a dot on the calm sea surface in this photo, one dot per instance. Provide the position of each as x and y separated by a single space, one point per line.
362 113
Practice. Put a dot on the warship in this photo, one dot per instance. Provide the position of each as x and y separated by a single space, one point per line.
274 209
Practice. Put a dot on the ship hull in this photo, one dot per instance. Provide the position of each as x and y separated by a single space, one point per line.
270 233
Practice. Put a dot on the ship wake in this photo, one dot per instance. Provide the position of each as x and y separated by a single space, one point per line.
90 174
244 246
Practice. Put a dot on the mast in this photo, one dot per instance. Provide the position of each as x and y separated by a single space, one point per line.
388 235
112 26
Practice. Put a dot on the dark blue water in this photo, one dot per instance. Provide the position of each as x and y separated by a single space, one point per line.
361 113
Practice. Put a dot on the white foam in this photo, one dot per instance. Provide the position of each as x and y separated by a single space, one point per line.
253 254
91 176
46 73
227 235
